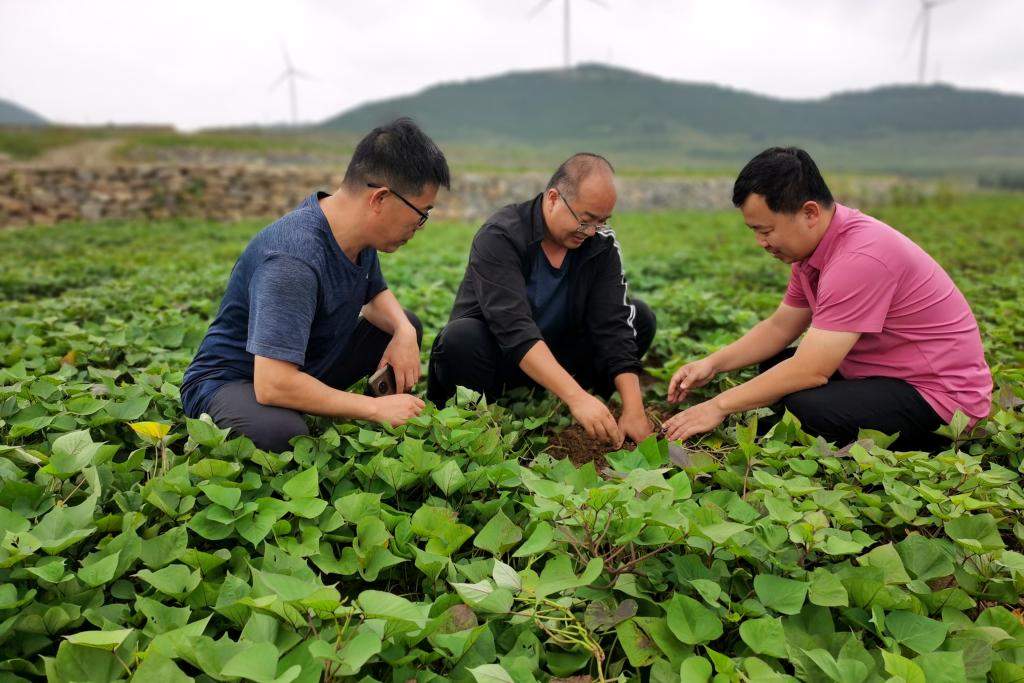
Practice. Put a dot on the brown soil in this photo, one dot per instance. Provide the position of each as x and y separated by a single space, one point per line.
572 443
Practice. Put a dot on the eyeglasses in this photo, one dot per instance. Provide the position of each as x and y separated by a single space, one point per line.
424 215
584 227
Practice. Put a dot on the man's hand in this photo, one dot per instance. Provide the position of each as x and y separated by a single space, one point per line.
403 355
595 417
690 376
698 419
635 424
396 409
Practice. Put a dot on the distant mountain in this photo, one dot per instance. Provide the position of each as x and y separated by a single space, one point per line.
12 114
628 112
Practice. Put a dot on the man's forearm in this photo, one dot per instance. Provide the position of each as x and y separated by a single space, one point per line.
628 386
760 343
542 367
767 388
303 392
384 312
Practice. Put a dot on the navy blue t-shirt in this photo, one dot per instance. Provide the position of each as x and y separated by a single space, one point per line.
293 296
548 292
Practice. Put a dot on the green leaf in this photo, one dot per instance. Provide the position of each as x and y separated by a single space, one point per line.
902 669
103 640
691 622
539 542
381 605
886 558
63 527
780 594
942 667
826 590
206 433
765 636
161 550
225 496
448 477
256 663
721 532
490 673
305 484
977 533
498 535
100 571
72 452
695 669
174 580
638 646
918 633
158 667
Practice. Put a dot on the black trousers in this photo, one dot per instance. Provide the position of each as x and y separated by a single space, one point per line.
837 410
235 406
467 354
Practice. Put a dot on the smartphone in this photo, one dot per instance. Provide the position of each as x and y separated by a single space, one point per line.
382 382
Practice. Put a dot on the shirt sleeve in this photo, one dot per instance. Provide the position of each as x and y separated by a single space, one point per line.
282 304
795 296
854 295
376 283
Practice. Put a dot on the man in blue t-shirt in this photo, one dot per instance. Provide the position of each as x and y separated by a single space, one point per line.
307 311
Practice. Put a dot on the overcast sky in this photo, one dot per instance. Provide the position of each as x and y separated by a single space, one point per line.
200 63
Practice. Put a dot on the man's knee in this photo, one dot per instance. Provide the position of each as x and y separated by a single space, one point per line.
645 322
415 320
459 356
273 430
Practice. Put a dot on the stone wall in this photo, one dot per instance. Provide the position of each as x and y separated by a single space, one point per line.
41 195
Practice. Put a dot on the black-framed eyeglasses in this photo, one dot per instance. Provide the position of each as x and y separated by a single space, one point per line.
424 215
583 228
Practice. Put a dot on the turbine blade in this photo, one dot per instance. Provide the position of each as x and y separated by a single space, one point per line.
914 31
537 8
280 79
600 3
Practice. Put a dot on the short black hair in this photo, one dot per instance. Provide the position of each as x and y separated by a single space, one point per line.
398 155
786 177
575 170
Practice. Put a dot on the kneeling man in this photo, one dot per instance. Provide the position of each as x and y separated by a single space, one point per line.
890 345
543 302
307 311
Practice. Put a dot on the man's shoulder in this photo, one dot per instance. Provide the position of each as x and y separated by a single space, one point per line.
297 234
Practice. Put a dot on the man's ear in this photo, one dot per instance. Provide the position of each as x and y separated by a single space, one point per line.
376 199
812 212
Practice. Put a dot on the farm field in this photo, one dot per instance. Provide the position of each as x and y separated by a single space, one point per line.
136 544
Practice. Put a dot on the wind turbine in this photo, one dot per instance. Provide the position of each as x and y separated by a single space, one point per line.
566 26
290 74
923 21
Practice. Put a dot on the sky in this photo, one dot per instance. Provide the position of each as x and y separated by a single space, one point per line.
203 63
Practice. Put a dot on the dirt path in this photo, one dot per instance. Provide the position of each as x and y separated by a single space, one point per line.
84 153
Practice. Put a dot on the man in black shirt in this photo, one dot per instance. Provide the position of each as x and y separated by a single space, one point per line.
543 302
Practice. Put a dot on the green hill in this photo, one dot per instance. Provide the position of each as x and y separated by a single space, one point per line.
12 114
643 117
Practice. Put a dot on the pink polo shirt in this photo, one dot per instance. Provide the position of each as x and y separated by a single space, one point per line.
914 323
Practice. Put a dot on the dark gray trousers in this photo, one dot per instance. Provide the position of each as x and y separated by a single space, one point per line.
271 428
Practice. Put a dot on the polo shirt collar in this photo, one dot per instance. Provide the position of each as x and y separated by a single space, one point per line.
824 249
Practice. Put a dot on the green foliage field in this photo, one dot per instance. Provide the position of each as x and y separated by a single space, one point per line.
137 544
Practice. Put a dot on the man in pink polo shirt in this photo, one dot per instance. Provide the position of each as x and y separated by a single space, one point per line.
890 344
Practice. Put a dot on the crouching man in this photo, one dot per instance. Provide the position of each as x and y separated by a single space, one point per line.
543 302
890 344
307 311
